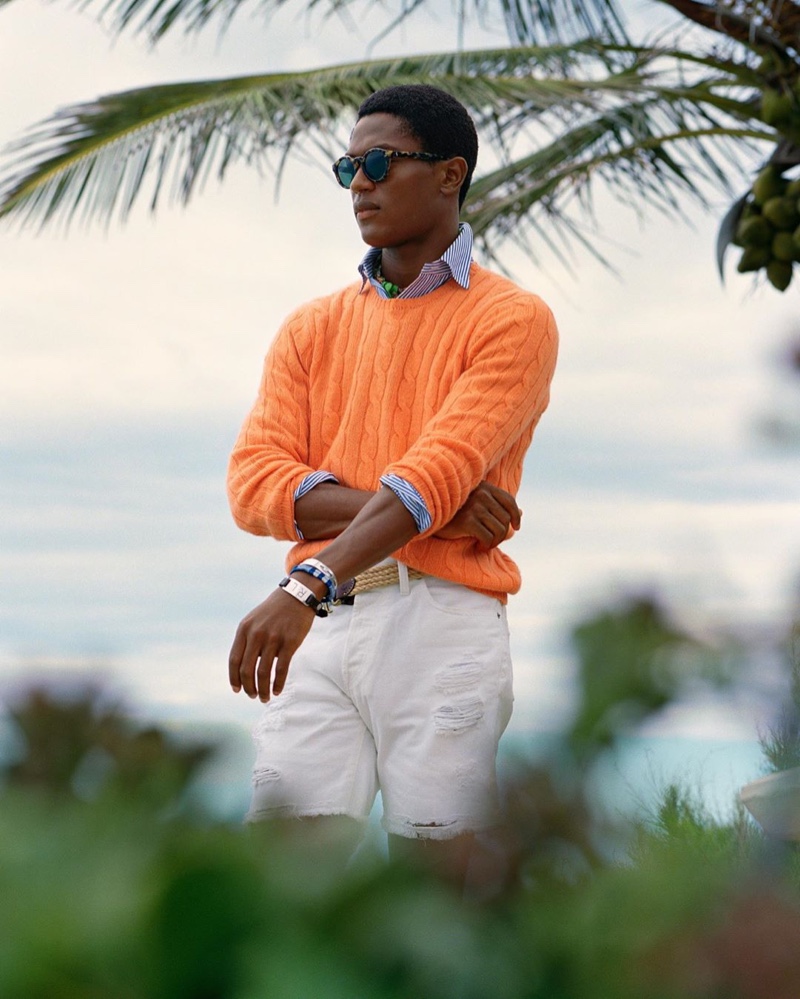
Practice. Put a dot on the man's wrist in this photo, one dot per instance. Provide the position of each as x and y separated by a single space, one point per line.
316 586
313 568
305 595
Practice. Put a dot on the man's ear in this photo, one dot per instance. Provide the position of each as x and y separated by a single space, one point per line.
454 173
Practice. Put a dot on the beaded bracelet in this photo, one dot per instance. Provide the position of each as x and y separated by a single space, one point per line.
320 571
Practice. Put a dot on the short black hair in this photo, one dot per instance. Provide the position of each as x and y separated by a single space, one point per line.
440 122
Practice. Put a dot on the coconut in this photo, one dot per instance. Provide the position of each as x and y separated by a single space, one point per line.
783 247
779 274
776 107
793 188
754 258
768 184
750 208
755 231
782 212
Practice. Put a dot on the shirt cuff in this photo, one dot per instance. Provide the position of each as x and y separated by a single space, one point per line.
308 483
410 499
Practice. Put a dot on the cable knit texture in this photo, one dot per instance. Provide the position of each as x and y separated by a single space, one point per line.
444 390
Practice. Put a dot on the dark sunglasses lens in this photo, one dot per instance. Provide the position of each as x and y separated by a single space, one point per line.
376 165
345 170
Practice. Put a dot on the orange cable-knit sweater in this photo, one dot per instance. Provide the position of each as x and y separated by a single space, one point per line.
444 390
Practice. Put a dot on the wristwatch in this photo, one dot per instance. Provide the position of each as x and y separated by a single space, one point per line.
302 593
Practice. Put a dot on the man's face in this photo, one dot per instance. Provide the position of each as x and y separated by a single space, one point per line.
408 206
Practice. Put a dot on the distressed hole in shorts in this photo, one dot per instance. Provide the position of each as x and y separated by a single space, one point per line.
265 775
462 714
457 677
467 776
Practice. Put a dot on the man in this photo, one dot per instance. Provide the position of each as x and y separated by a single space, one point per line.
389 432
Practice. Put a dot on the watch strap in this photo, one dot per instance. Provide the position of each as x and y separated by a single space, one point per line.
306 596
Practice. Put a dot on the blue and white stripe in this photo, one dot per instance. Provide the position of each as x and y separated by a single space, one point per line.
308 483
410 499
454 262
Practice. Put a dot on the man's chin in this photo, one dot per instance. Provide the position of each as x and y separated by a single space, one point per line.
373 240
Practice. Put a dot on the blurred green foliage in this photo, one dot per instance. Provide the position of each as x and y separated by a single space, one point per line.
781 743
115 885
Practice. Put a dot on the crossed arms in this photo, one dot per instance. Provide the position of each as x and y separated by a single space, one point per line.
366 527
486 418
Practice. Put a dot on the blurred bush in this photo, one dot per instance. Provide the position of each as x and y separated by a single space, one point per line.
114 886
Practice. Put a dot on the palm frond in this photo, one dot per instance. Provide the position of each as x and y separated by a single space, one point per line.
562 120
527 21
657 147
769 25
96 158
537 21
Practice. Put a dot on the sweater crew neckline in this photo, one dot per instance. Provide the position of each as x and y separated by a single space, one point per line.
449 287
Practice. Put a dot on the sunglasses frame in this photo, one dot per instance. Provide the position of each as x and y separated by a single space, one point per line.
390 154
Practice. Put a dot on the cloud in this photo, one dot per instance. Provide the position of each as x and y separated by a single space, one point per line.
131 357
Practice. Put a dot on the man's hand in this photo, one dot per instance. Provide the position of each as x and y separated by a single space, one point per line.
275 630
271 633
485 516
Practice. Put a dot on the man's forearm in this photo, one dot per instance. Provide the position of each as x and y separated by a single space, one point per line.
273 631
380 527
328 509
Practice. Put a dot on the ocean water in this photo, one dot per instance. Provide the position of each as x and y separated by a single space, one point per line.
627 782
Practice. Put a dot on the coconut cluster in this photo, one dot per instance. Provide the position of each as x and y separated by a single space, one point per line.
769 227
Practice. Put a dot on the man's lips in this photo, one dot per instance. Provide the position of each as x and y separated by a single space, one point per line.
363 209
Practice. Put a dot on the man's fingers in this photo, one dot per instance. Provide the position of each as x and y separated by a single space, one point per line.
242 662
235 660
247 669
273 630
508 504
281 671
496 529
491 496
495 515
264 673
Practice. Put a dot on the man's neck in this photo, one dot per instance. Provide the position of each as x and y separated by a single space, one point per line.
402 265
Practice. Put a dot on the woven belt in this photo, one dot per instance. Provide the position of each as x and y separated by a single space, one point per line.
377 577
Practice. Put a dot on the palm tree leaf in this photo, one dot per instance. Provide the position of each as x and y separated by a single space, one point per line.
627 149
769 25
97 156
529 22
561 119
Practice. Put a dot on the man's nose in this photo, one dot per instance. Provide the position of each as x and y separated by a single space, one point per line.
361 181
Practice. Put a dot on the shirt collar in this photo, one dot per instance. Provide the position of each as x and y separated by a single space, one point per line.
457 257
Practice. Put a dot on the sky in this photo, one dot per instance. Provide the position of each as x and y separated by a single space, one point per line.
131 355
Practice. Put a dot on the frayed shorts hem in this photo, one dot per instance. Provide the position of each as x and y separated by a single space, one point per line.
291 812
403 693
435 830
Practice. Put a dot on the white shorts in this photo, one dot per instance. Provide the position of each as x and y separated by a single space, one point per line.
408 693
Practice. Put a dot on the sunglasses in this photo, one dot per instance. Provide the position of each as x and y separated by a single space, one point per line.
375 164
